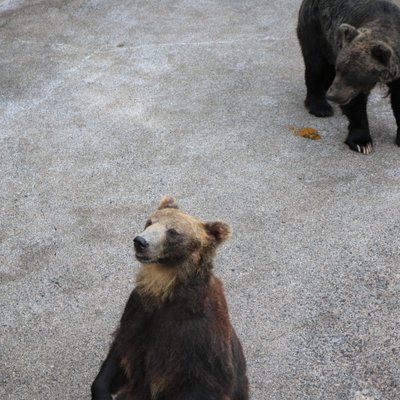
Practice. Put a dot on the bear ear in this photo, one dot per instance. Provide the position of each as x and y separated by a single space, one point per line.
347 33
167 202
220 231
382 52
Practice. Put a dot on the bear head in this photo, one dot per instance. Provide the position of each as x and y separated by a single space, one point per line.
175 246
362 62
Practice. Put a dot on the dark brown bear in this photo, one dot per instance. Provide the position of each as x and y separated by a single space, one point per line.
175 340
348 47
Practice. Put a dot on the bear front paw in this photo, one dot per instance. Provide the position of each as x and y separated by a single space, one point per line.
320 108
359 140
398 138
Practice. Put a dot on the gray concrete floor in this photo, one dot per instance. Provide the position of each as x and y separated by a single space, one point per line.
108 105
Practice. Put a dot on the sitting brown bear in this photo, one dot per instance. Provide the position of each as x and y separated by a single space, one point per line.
175 340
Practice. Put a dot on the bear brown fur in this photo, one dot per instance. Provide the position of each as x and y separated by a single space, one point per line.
175 340
348 47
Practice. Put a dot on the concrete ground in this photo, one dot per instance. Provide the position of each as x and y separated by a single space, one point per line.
108 105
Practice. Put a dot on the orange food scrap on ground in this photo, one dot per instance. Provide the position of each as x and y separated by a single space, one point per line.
308 133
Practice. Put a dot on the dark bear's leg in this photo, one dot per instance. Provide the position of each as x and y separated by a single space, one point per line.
359 138
319 74
110 378
395 97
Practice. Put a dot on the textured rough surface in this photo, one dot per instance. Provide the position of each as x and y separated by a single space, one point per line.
105 107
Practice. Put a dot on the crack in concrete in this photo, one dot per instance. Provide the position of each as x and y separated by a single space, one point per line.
149 45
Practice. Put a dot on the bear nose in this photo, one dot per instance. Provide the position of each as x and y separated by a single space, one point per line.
140 243
330 94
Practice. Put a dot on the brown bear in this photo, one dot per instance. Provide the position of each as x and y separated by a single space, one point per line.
175 340
348 47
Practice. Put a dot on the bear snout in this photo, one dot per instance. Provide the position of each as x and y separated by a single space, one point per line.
339 96
141 248
140 243
149 245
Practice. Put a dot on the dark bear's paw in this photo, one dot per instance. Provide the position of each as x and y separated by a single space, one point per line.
398 138
320 108
360 146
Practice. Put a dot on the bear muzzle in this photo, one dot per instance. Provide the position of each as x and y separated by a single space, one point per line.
141 244
149 245
340 95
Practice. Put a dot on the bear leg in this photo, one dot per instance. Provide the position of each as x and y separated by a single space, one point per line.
319 73
395 99
319 76
110 379
359 138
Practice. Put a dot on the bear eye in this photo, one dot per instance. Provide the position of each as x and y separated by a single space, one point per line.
172 232
148 223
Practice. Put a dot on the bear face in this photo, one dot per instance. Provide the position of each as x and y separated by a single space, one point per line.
175 247
361 63
172 237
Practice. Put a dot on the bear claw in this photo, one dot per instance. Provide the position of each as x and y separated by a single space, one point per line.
363 149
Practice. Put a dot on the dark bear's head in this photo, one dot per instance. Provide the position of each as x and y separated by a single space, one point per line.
362 62
174 238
